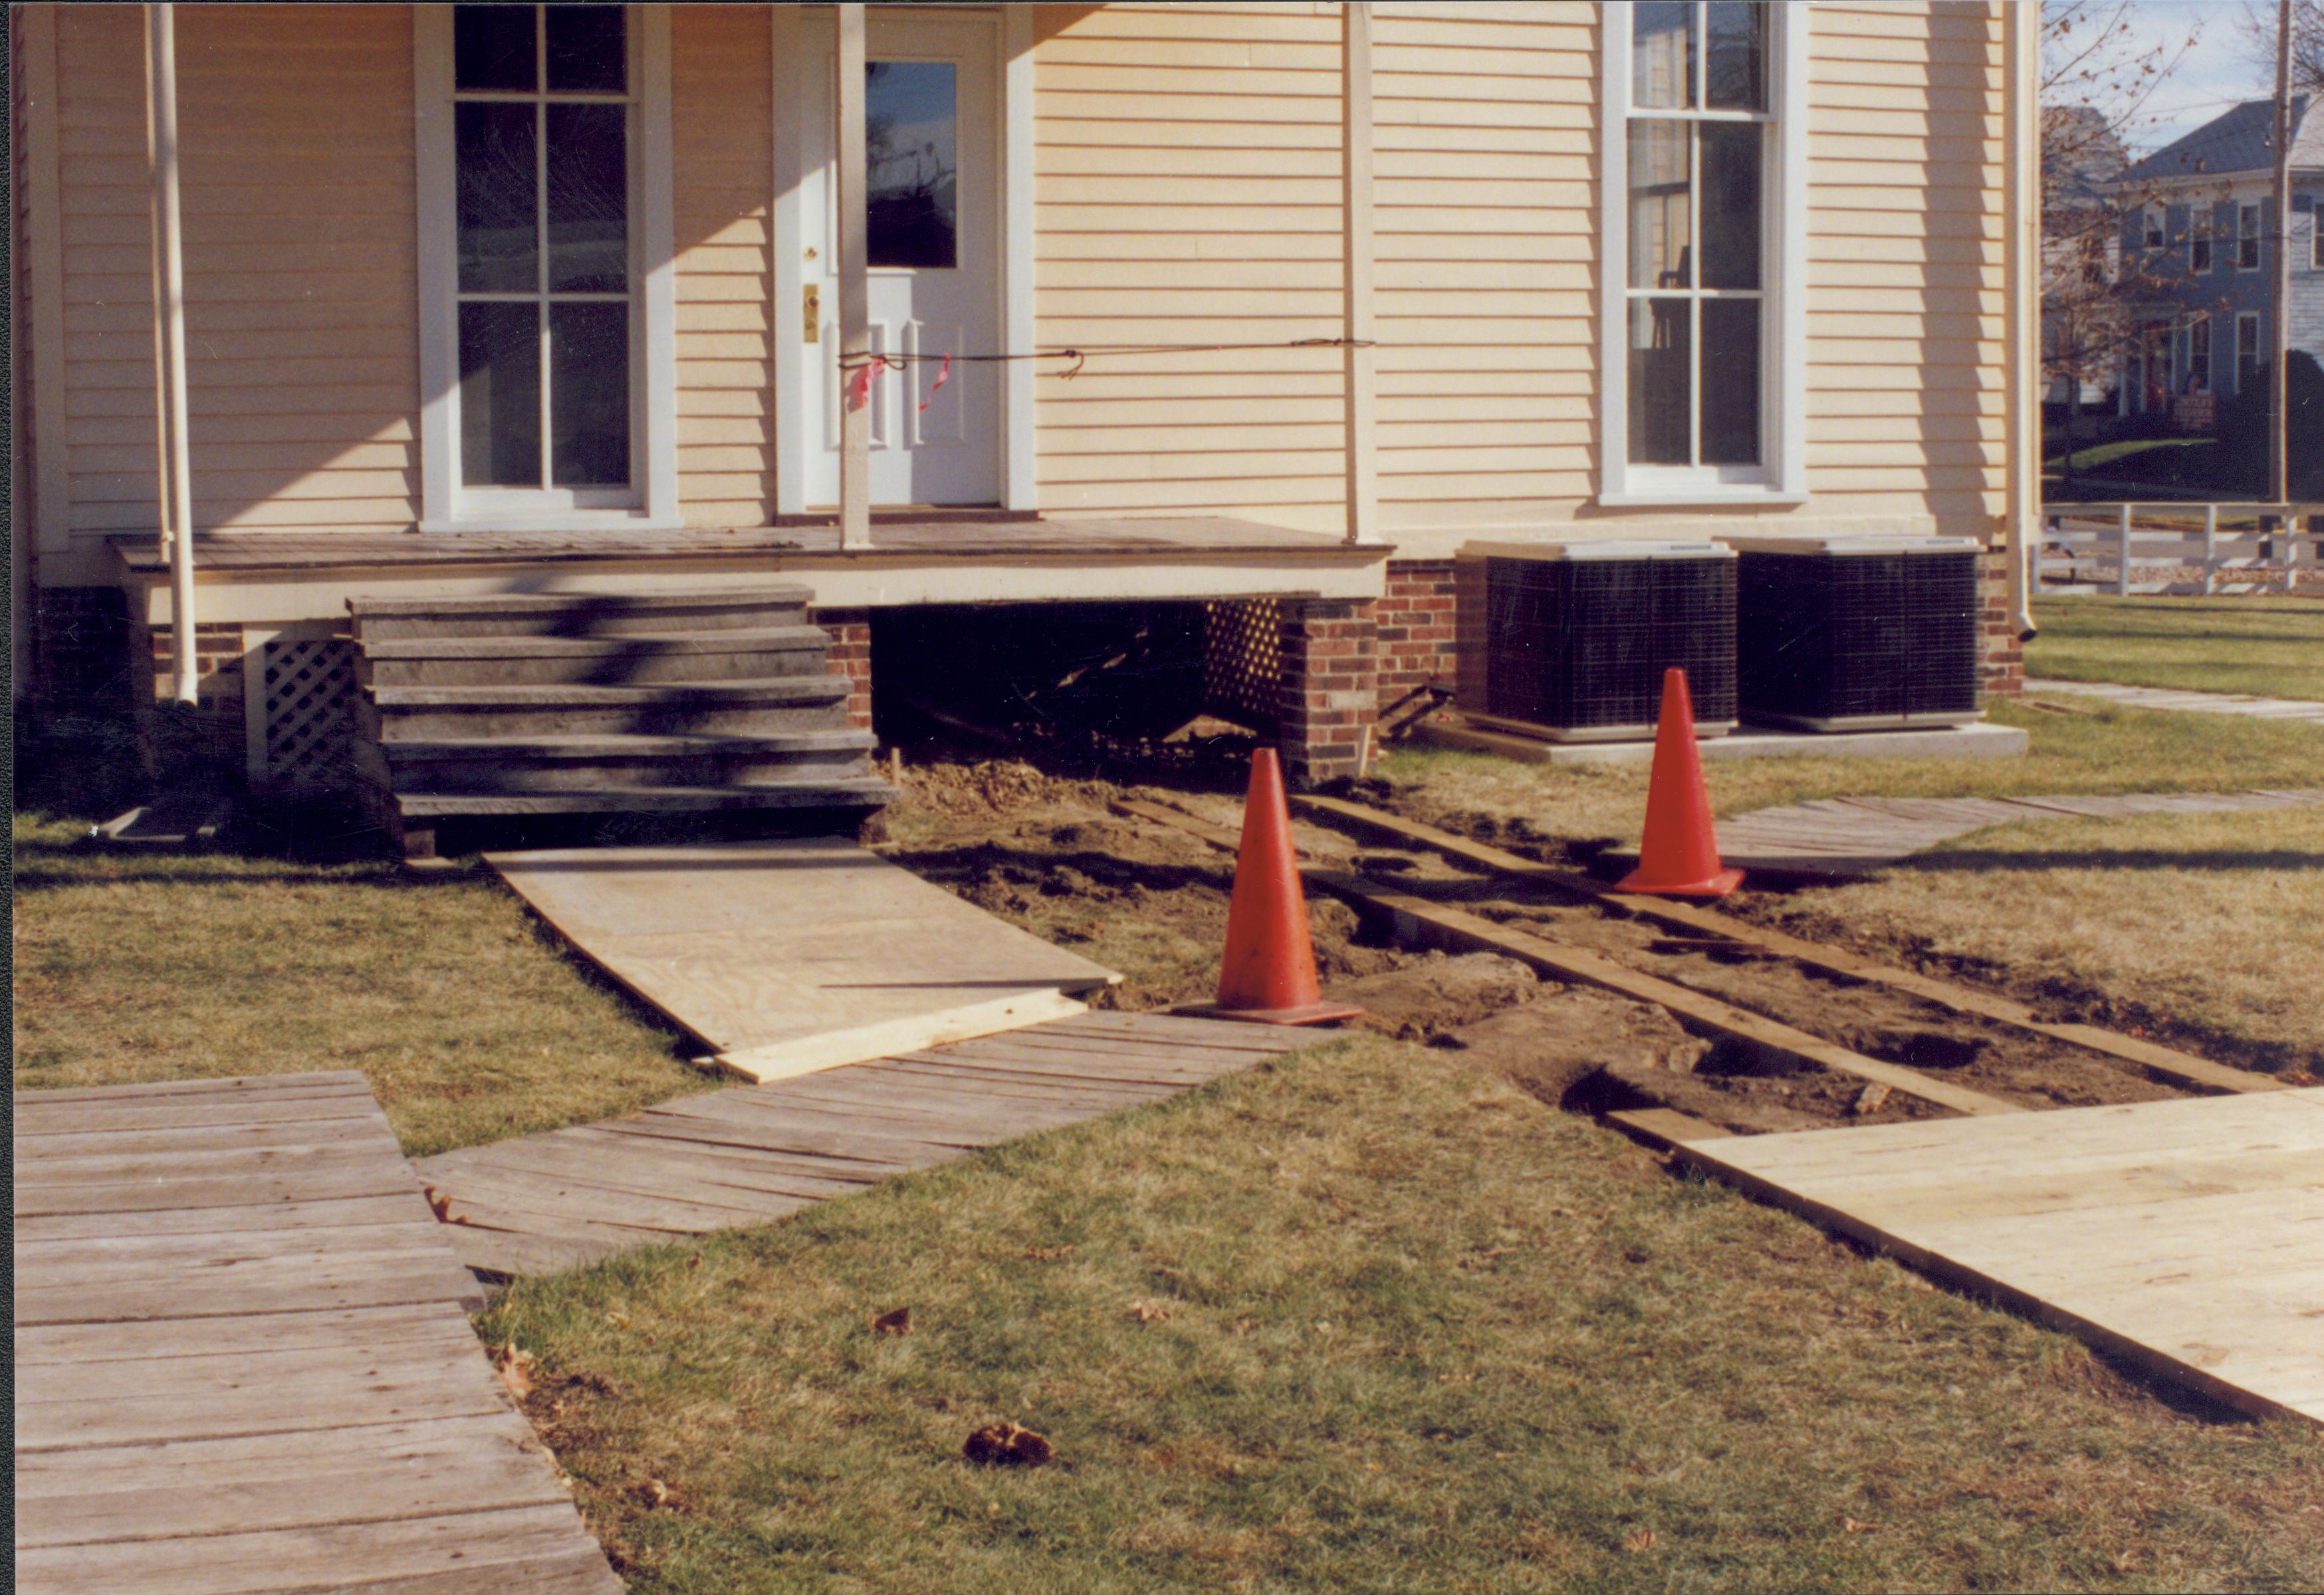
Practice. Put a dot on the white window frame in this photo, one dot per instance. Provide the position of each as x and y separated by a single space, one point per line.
1781 476
2258 348
2254 234
650 500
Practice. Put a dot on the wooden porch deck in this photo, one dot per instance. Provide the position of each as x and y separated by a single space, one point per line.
936 538
750 1154
244 1362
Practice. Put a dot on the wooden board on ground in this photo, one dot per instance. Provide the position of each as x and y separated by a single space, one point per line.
750 1153
227 1387
2185 1235
787 956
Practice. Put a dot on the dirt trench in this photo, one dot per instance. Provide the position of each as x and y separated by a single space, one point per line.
1048 853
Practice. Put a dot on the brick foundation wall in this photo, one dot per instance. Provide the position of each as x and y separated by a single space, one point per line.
2001 657
1328 698
851 656
1417 616
80 650
214 732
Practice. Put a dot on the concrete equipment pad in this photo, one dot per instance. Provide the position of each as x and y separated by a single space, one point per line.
791 955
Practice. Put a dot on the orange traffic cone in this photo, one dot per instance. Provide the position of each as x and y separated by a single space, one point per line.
1269 974
1680 854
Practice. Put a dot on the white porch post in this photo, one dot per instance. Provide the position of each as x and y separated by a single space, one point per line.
1356 253
854 279
175 494
2021 258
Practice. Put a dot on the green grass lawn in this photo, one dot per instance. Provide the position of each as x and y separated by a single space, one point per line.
1366 1320
469 1020
2270 646
2125 454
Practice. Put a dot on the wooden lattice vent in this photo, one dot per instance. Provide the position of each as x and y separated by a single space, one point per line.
1242 660
310 693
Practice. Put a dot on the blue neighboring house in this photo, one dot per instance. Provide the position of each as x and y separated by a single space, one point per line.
2200 228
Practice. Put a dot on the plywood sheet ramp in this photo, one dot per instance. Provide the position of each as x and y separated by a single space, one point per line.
794 956
750 1154
2187 1236
244 1362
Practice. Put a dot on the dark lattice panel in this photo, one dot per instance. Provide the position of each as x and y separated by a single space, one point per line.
1825 636
1577 644
310 694
1242 660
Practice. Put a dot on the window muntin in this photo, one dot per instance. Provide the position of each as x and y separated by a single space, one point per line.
542 149
2247 237
1697 174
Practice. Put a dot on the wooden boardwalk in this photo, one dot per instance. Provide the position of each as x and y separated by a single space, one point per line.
2200 703
1856 835
244 1362
750 1154
2187 1235
790 956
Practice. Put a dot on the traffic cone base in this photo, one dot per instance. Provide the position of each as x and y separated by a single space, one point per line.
1679 854
1267 973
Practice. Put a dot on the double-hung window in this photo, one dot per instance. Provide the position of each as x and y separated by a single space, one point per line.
2246 350
1701 377
2247 237
2199 355
2151 221
2198 246
546 299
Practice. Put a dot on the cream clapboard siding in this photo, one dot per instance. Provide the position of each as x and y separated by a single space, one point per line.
1485 203
721 111
1187 162
298 199
1905 273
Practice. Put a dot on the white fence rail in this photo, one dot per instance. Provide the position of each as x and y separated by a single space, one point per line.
2180 546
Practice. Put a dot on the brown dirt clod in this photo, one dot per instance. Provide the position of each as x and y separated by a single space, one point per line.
1008 1446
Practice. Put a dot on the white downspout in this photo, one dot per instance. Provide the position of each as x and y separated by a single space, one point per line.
2022 262
175 494
1356 253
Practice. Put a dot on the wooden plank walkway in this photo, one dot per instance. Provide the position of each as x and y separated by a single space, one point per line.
1855 836
750 1154
244 1362
2186 1235
790 956
2200 703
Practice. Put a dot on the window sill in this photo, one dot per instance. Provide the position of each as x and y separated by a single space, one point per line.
1710 493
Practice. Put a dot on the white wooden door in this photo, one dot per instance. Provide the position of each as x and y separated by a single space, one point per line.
933 148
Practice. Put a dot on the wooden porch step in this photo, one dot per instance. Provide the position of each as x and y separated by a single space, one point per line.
569 763
580 614
723 653
851 791
756 706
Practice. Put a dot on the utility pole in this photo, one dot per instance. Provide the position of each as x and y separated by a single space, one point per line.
2279 417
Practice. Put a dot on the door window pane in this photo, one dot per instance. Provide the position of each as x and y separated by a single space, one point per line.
585 54
911 164
491 47
589 198
1661 56
1731 204
1730 382
589 394
493 148
1734 56
500 394
1660 204
1661 359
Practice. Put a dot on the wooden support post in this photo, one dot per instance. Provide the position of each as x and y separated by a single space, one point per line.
2122 548
2211 549
174 477
1356 252
857 390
